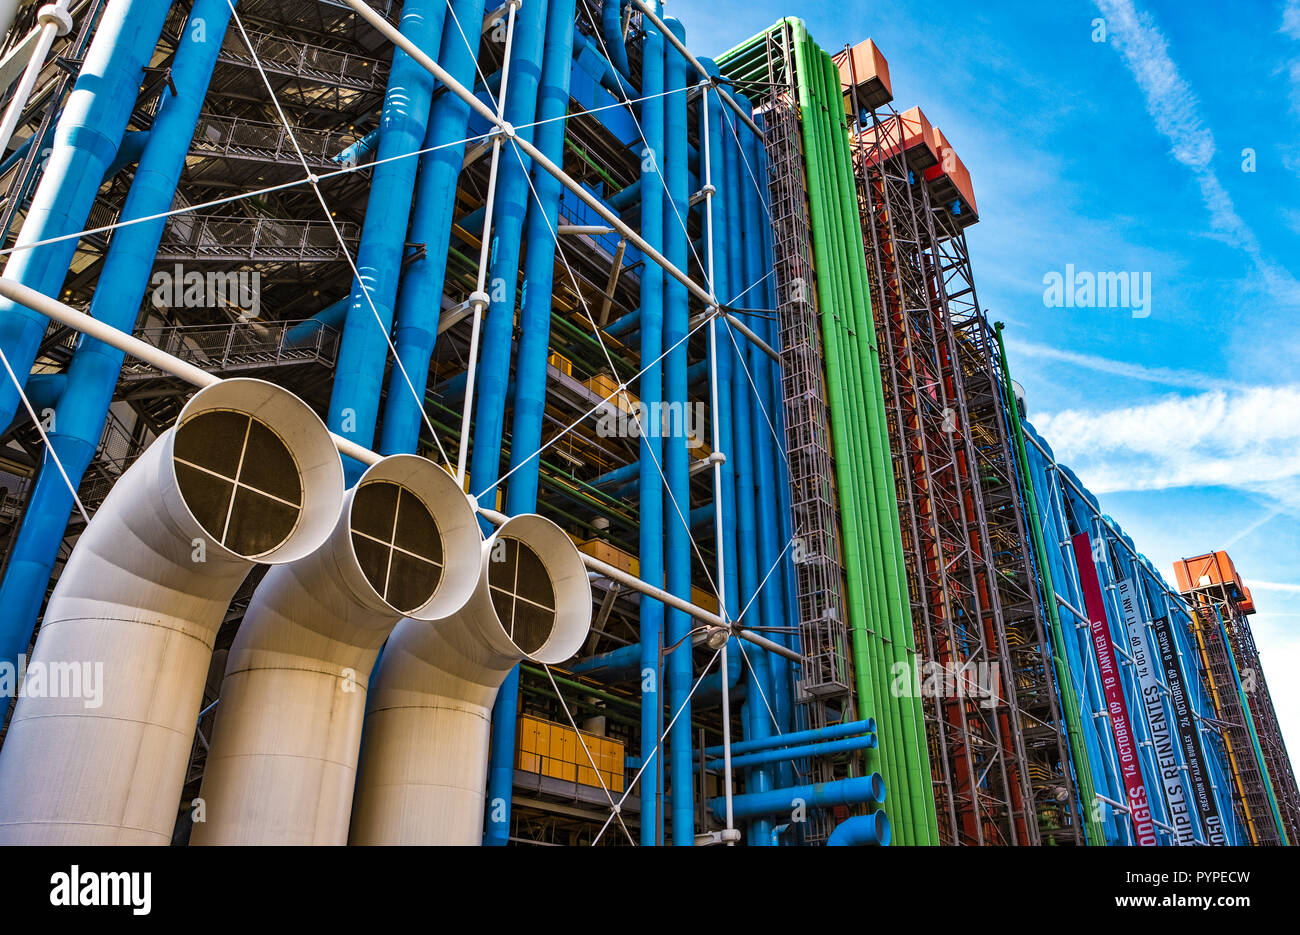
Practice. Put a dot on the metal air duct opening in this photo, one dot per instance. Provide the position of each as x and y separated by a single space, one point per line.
284 752
248 474
424 761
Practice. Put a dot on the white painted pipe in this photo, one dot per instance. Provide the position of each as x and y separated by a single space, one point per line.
54 22
249 474
424 759
284 753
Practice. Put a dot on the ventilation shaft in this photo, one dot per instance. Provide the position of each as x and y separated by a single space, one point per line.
249 474
424 757
284 753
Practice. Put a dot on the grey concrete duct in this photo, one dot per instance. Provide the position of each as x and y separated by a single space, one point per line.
284 753
424 758
248 474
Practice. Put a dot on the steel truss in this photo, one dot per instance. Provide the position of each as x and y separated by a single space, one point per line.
997 741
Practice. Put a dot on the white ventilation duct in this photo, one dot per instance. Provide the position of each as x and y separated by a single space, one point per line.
428 719
248 474
284 753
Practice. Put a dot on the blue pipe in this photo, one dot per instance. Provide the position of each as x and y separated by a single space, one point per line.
509 209
815 735
128 152
611 28
854 791
651 528
45 389
722 224
539 264
528 57
92 376
742 451
620 475
625 198
762 420
530 375
700 516
332 316
351 155
85 142
862 831
785 754
613 666
17 155
419 299
363 348
624 324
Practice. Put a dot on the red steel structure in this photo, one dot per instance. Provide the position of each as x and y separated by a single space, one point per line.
1000 767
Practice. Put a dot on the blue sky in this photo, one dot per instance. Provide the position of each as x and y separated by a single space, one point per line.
1127 155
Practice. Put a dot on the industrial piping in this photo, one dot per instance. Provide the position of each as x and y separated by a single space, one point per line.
425 751
861 831
85 143
421 287
283 757
92 376
868 789
249 474
363 348
651 525
677 541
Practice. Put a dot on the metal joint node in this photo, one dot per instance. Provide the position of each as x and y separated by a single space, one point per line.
507 129
479 300
716 457
52 14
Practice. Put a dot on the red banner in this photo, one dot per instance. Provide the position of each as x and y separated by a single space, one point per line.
1108 668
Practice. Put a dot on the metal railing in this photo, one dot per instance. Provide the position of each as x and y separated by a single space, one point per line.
206 237
238 346
266 142
299 59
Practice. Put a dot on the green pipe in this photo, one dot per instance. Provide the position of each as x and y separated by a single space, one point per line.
885 514
870 598
864 673
1094 833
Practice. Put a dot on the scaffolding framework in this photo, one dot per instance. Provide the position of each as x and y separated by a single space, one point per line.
997 742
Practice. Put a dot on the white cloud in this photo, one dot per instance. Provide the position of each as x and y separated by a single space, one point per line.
1175 110
1165 376
1244 438
1273 586
1291 19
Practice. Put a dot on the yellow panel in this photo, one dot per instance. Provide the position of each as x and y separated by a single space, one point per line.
587 776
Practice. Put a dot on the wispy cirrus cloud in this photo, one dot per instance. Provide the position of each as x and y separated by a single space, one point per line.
1164 376
1247 439
1176 113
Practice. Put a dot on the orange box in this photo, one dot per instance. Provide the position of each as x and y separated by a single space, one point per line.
868 67
529 762
1213 569
599 548
950 180
910 133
